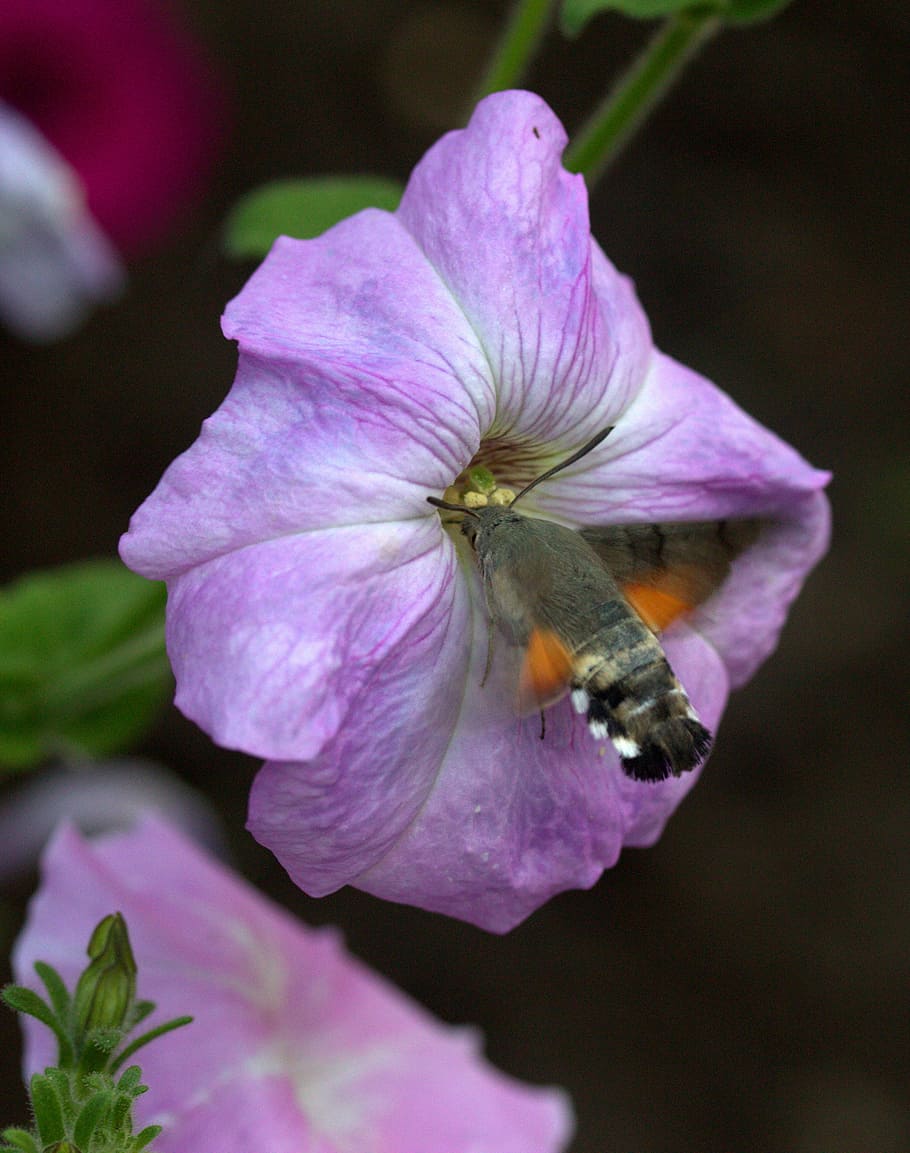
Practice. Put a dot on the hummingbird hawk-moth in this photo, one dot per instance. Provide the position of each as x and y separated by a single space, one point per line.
586 607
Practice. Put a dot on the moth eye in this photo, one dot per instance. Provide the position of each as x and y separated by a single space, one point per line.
469 529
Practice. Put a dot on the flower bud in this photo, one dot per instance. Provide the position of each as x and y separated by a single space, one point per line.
107 988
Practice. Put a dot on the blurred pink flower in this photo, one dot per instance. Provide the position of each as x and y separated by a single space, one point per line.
124 95
123 116
295 1045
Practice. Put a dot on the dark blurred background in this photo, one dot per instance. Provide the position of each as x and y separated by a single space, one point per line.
742 986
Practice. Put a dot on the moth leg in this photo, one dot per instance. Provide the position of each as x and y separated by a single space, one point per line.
488 664
543 725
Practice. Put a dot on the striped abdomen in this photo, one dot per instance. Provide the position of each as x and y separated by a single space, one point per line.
622 680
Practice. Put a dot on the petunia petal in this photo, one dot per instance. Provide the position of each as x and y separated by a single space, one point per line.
294 1045
271 645
360 391
512 817
537 815
684 451
507 229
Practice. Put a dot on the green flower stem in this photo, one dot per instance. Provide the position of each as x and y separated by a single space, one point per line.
140 660
516 49
638 92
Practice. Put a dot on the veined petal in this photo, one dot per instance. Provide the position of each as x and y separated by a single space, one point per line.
294 1044
684 451
360 390
330 818
538 815
272 645
534 815
506 228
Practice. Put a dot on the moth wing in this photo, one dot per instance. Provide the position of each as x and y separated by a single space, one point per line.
546 670
666 570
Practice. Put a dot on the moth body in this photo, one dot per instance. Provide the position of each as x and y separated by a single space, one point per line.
586 607
542 579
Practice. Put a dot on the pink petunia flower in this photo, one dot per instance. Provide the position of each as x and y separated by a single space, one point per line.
295 1045
320 614
110 118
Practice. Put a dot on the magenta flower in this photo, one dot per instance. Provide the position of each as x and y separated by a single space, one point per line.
295 1045
320 614
124 118
122 93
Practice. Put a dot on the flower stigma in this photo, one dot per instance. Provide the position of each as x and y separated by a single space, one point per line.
477 485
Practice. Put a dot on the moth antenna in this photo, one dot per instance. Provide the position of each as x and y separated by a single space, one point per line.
447 504
583 451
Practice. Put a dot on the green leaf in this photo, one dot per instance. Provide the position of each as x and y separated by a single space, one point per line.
47 1109
575 14
140 1042
19 1141
144 1136
83 667
90 1117
120 1120
62 1084
24 1000
302 208
130 1079
56 990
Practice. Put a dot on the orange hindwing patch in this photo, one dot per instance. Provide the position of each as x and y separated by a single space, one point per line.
656 607
545 671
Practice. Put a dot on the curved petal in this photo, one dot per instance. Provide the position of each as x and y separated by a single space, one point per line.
272 645
511 818
534 816
507 229
745 618
330 818
294 1044
360 390
684 451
